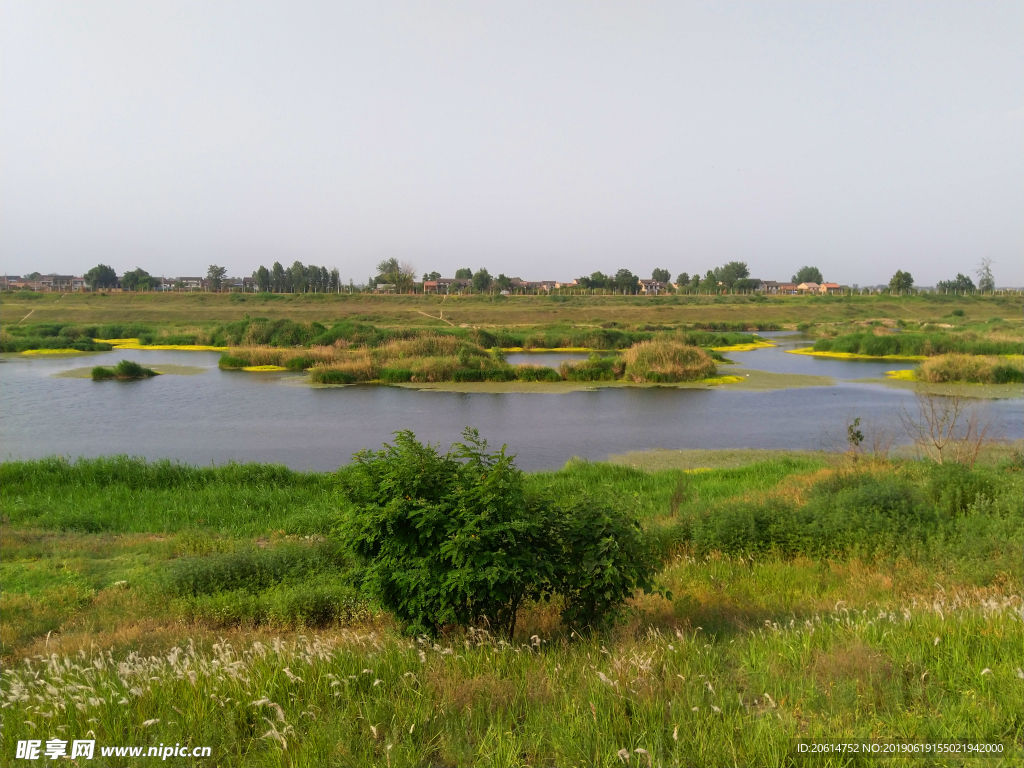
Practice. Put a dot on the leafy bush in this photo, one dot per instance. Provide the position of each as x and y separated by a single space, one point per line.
468 374
603 557
456 539
954 487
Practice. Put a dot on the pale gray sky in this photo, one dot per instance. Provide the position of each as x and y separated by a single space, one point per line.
544 140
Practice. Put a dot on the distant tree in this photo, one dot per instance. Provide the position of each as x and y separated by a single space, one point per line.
626 281
297 277
335 280
101 276
729 273
262 278
959 284
215 276
399 274
986 282
278 280
745 284
901 281
130 280
481 280
33 276
709 281
503 282
596 280
683 280
432 276
808 275
139 280
661 275
464 274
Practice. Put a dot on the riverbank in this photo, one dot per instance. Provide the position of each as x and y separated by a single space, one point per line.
760 643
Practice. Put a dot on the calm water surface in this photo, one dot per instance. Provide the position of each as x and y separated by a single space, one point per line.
219 416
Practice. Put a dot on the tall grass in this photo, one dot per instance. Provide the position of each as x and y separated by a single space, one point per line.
667 361
124 370
675 697
972 369
808 601
917 344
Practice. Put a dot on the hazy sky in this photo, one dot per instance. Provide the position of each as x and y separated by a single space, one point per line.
542 140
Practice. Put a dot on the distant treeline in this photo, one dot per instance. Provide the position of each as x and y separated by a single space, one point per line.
298 278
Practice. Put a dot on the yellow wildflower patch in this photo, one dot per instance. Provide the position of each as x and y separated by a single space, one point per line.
261 368
909 375
716 380
851 355
541 350
134 344
745 347
54 352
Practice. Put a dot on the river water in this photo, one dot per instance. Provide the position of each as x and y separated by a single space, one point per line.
219 416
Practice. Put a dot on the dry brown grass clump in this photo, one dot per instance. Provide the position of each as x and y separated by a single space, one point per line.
667 361
359 364
972 369
425 345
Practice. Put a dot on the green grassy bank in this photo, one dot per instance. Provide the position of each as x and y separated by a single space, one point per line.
811 597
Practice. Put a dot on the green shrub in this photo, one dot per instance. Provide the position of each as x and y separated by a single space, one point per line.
954 487
456 539
468 374
603 557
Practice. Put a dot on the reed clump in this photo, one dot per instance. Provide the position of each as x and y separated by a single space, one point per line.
126 370
972 369
917 344
667 362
